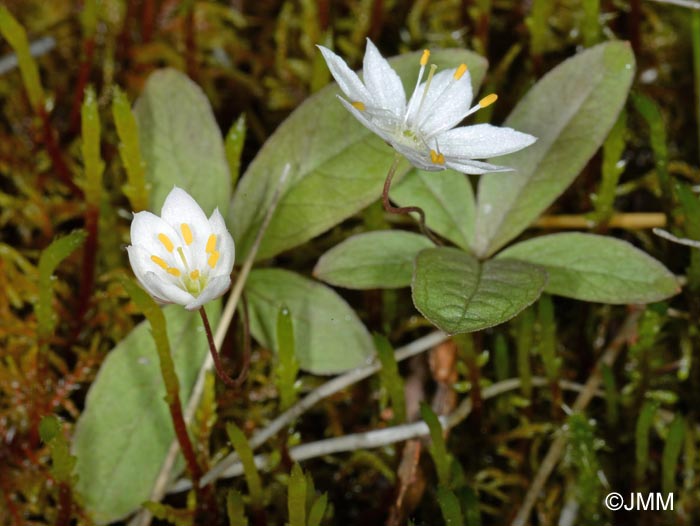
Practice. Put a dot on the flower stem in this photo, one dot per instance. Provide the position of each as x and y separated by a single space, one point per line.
404 209
215 355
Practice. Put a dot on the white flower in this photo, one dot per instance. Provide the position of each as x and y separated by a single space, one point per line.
424 129
181 257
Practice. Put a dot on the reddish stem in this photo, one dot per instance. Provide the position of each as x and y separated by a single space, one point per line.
183 439
83 77
190 43
404 209
64 505
148 15
88 278
215 355
54 151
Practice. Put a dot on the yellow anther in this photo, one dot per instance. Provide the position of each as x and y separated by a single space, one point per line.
213 259
359 105
166 242
211 244
160 262
173 271
186 233
488 100
461 70
424 57
194 274
436 157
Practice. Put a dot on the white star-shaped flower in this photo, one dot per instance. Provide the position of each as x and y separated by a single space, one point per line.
424 130
181 257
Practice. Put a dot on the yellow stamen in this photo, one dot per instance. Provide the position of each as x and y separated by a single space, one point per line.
211 244
359 105
213 259
186 233
461 70
194 274
166 242
436 157
160 262
173 271
182 257
488 100
424 57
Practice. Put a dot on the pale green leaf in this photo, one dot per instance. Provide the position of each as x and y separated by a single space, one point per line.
125 431
447 200
329 337
459 294
570 111
596 268
181 142
373 260
338 166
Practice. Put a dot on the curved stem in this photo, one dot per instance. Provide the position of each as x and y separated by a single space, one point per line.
404 209
214 354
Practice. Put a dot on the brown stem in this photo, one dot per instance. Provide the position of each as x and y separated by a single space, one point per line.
214 354
404 209
183 439
83 77
88 277
148 15
55 154
190 43
64 505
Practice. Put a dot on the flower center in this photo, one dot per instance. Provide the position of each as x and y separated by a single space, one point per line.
193 280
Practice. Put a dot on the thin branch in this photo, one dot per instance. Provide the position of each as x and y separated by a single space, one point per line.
690 4
680 240
143 518
389 435
631 221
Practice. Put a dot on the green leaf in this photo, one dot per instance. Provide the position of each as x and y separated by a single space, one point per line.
287 365
459 294
671 454
125 431
296 497
438 448
318 509
181 142
235 139
390 378
570 111
250 470
329 337
50 258
449 505
447 200
338 166
373 260
596 268
235 509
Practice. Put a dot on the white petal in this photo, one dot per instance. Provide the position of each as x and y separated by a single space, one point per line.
216 287
482 141
382 81
467 166
225 244
164 291
346 78
145 228
366 122
445 105
180 208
